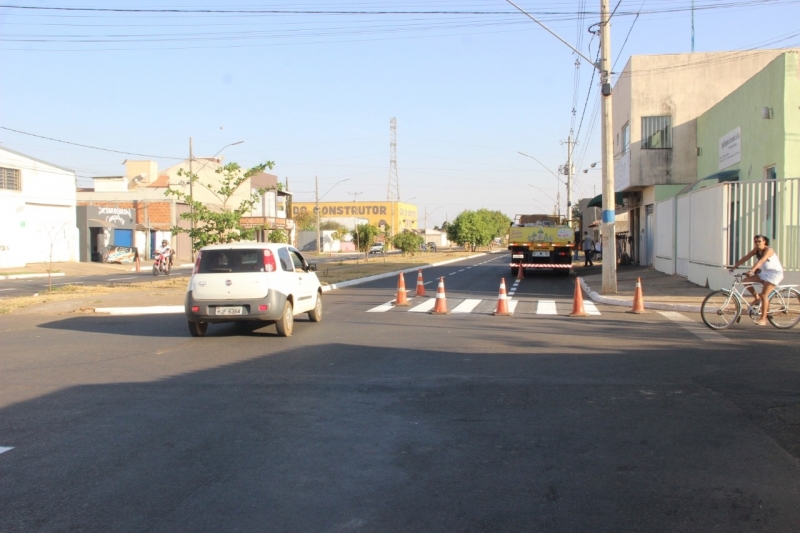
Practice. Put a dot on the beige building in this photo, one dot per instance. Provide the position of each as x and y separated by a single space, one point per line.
656 102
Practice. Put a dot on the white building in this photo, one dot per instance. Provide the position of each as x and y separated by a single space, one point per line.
37 211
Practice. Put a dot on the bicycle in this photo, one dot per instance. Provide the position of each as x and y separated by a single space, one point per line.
722 308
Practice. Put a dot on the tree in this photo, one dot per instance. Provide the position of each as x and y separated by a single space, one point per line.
55 234
364 235
477 228
408 242
278 235
305 221
220 223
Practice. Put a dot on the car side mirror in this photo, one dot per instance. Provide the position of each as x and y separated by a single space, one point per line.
312 267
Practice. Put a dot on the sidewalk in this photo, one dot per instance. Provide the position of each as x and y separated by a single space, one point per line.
659 290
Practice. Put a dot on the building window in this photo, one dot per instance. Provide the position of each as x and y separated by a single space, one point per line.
656 133
626 137
9 179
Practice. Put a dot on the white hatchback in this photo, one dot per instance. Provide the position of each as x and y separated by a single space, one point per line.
251 281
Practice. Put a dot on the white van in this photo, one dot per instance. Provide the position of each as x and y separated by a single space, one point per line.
251 281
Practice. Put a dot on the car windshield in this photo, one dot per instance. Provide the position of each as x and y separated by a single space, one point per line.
212 261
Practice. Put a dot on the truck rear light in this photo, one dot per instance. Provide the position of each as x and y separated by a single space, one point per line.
269 261
197 263
195 309
263 307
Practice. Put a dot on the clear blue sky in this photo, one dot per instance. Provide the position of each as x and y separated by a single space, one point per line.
315 91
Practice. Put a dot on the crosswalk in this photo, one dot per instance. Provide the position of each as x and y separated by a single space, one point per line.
487 306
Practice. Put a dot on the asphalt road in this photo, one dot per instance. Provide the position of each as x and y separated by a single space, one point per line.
401 420
12 288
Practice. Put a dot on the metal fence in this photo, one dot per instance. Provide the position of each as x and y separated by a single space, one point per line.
770 208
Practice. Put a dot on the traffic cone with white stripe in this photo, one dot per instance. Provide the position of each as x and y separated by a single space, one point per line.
420 284
638 299
577 302
520 272
401 299
441 302
502 300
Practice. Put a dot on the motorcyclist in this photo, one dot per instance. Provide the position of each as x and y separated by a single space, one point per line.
165 252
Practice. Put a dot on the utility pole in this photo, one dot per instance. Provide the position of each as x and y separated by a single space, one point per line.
568 170
609 267
316 209
191 195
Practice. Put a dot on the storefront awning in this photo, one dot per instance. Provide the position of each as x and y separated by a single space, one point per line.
713 179
597 201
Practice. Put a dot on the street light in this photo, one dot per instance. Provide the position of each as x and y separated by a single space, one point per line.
191 181
316 207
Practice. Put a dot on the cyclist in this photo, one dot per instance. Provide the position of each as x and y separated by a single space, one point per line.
767 271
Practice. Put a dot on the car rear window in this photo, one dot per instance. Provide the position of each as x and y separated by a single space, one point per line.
224 261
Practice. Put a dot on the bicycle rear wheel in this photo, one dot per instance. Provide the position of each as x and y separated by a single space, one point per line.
784 308
720 310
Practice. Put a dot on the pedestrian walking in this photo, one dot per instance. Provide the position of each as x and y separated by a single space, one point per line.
588 247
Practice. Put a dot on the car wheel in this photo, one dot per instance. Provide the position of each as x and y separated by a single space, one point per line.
285 323
198 329
315 315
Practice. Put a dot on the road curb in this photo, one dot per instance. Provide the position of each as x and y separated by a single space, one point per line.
658 306
26 276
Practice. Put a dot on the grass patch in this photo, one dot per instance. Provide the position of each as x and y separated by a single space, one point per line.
68 292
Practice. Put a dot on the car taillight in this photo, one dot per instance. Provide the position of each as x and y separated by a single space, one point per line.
197 263
269 261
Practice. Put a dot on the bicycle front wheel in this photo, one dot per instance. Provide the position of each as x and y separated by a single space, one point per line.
784 308
720 310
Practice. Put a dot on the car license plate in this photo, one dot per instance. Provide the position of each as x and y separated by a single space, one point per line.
229 311
540 254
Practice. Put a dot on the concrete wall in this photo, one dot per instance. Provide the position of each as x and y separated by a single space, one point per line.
38 221
764 142
680 85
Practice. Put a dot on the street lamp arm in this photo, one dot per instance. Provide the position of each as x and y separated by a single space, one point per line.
334 185
543 165
588 60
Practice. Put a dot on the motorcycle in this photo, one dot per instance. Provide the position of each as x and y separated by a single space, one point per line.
161 264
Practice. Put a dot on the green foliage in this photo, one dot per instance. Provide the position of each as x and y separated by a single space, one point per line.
332 225
219 223
278 235
408 242
477 228
305 221
364 235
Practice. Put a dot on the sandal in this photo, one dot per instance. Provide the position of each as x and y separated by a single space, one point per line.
761 322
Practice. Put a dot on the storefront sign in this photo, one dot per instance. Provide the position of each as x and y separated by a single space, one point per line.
118 217
730 148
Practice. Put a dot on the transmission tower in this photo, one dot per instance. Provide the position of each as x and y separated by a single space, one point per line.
393 192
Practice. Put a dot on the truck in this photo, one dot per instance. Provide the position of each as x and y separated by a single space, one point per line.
541 242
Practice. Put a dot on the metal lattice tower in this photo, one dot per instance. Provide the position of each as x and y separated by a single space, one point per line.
393 192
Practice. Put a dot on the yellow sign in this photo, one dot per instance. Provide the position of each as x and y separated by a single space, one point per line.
399 215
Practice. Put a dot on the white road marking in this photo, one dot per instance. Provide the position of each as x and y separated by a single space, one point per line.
696 328
590 308
382 308
512 305
466 306
154 310
6 289
424 307
546 307
452 273
4 449
120 279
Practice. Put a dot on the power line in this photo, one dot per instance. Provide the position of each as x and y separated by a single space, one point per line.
88 146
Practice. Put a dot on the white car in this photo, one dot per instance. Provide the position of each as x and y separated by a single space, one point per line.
377 248
251 281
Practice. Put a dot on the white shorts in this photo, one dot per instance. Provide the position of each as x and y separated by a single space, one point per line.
771 276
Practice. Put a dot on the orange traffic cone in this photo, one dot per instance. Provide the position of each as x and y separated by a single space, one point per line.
577 302
441 302
420 284
638 299
401 299
502 300
520 271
